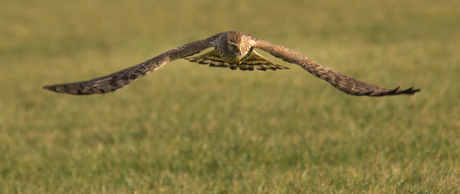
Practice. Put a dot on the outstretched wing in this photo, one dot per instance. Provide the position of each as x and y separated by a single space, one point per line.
340 81
118 80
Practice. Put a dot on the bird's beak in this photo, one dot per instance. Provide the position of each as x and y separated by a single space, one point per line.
239 48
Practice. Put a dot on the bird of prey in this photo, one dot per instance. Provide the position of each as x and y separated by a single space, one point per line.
234 50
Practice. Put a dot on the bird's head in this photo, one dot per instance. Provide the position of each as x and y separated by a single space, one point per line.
236 45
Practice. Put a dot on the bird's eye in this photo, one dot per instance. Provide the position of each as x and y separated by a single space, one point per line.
233 46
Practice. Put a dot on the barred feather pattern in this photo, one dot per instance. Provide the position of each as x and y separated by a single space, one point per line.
249 63
120 79
338 80
234 50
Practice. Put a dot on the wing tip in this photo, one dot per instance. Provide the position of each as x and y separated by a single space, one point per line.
397 91
386 92
409 91
51 88
74 91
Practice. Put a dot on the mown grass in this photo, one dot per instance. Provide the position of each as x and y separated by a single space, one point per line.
193 129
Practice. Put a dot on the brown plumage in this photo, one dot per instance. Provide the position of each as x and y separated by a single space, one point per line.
234 50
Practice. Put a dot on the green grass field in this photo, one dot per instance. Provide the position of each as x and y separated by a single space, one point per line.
187 128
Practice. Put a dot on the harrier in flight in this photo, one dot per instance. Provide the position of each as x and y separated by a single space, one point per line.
234 50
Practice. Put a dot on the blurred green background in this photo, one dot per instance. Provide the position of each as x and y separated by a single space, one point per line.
187 128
